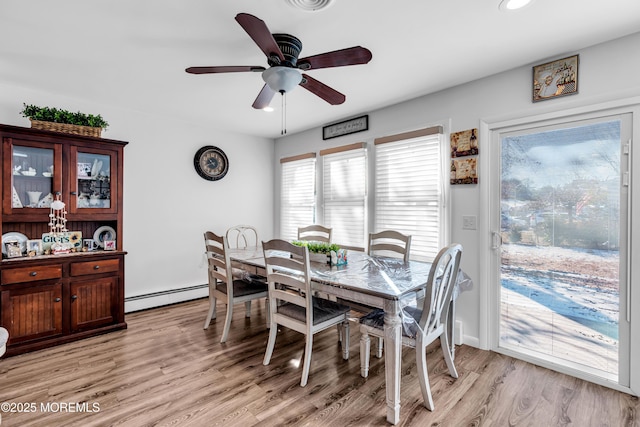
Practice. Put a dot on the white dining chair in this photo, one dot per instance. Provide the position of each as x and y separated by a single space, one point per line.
390 242
242 236
291 300
315 233
223 286
422 324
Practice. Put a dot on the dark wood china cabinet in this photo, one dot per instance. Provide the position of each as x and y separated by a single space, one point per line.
48 299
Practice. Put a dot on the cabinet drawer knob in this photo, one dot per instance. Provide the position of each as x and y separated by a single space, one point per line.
74 297
96 267
57 300
33 273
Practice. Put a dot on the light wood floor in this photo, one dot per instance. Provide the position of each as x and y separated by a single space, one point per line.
166 370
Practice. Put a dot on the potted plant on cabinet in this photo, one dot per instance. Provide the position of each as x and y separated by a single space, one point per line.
58 120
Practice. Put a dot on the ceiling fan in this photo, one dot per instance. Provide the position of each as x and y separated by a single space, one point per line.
283 74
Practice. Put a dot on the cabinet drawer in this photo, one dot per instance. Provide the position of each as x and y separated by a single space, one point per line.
95 267
30 274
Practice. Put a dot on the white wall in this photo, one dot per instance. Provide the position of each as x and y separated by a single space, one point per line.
606 72
167 206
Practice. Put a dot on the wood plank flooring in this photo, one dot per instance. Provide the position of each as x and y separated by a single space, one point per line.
165 370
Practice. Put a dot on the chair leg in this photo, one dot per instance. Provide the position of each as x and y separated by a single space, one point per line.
448 357
227 322
307 359
345 341
365 345
423 374
268 309
271 343
247 309
211 314
380 347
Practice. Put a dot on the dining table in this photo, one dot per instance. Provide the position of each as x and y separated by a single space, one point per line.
372 281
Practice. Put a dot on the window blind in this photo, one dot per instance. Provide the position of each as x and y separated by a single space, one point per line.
345 194
408 191
297 202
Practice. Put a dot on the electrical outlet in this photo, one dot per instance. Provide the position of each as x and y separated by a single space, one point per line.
469 222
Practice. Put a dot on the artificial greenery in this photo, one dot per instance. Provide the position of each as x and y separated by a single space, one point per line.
318 247
47 114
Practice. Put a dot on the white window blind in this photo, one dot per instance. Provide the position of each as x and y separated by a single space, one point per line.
297 202
345 194
408 189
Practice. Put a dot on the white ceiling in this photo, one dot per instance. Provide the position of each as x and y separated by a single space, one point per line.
131 54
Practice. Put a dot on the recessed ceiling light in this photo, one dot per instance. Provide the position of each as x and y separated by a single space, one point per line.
309 5
513 4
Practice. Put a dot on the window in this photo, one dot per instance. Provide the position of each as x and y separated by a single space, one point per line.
297 194
344 193
409 189
408 195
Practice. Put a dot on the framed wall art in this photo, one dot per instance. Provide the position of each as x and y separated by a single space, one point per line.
346 127
555 78
464 143
464 171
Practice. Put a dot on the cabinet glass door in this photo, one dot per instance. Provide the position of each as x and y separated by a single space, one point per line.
32 179
93 174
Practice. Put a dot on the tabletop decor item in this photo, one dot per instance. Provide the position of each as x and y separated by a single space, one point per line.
57 120
329 253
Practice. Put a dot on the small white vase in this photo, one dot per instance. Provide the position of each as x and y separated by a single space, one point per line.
34 197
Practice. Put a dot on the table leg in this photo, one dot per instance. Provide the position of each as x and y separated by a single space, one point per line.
392 358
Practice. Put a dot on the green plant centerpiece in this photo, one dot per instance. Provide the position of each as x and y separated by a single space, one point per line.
324 252
59 120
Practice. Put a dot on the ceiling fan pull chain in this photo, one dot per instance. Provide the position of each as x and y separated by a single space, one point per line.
284 114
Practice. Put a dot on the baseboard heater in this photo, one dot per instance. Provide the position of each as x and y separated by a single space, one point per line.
171 296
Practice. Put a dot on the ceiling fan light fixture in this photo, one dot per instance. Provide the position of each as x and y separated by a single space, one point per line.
282 79
507 5
309 5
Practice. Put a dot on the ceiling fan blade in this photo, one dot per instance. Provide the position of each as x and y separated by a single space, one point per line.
338 58
264 98
226 69
325 92
259 32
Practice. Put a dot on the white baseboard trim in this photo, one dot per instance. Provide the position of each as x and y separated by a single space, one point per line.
158 299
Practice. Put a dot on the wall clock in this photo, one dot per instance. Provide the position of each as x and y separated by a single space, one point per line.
211 163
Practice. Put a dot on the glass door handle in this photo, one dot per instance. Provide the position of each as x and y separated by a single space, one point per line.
496 240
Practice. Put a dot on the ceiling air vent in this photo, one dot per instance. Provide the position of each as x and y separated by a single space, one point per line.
309 5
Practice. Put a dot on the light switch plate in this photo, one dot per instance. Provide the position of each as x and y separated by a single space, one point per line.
469 222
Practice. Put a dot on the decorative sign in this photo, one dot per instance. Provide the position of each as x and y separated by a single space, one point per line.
463 171
72 238
347 127
464 143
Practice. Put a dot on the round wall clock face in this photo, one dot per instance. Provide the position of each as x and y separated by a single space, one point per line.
211 163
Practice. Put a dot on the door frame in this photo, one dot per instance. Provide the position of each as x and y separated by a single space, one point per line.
489 303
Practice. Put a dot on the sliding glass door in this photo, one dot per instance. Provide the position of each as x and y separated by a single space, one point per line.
561 243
